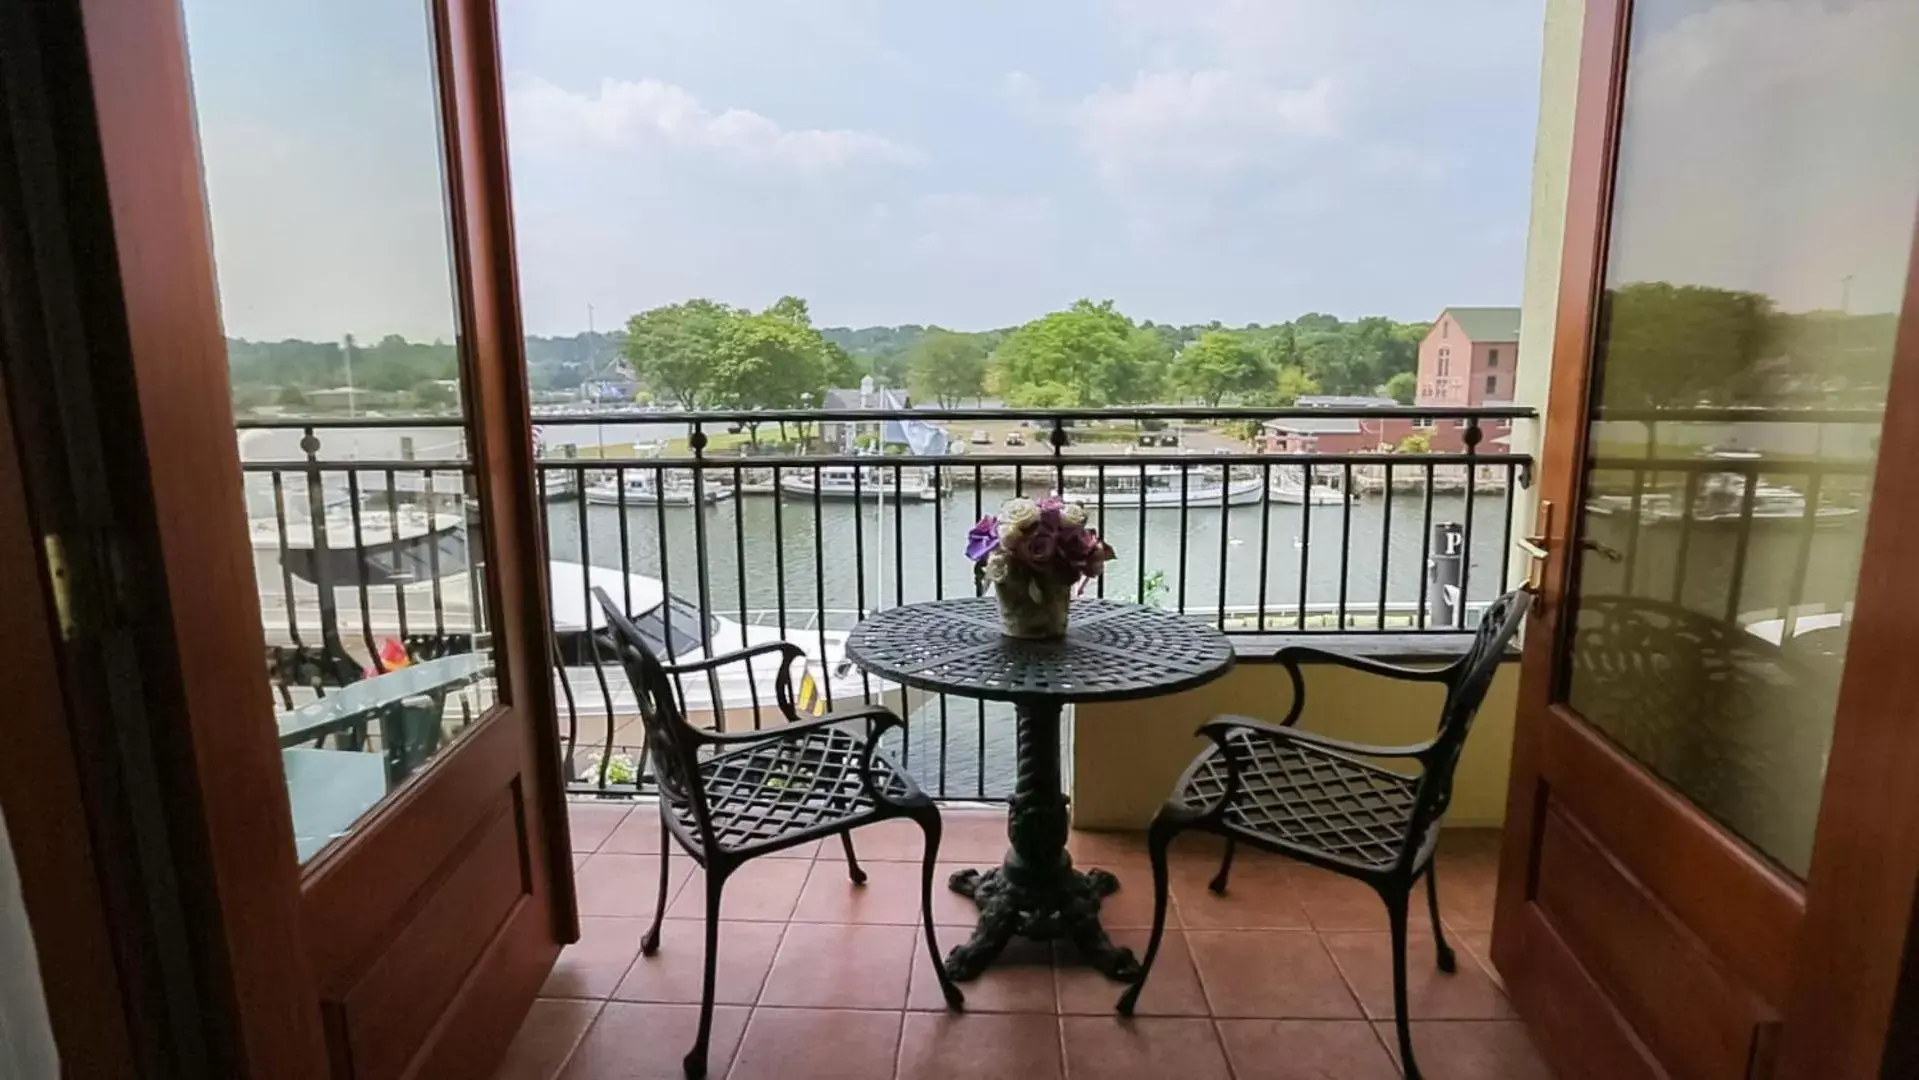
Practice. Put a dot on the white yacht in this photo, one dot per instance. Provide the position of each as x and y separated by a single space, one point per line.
907 483
1157 486
642 487
1289 486
1721 499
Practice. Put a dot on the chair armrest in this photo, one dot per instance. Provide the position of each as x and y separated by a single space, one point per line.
878 718
1291 656
1220 727
790 651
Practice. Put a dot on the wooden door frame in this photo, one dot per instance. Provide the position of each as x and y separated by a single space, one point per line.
1850 969
1854 972
121 373
41 793
204 891
466 36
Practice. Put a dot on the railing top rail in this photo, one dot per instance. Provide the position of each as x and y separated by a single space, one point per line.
335 423
1129 412
1036 462
1741 415
794 416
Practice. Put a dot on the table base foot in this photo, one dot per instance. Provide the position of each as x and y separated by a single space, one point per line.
1065 908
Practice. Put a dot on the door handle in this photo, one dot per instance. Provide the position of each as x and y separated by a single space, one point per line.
1604 551
1537 547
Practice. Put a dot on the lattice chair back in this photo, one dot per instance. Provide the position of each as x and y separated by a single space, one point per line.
1471 677
672 742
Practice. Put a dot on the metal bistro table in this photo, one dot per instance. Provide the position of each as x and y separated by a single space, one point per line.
385 698
1111 652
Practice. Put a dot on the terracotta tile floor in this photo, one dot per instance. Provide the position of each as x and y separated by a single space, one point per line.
1287 978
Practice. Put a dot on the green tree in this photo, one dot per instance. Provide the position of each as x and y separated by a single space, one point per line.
1083 356
769 361
1403 387
947 367
841 368
1293 383
1681 346
1141 375
433 394
1218 364
673 349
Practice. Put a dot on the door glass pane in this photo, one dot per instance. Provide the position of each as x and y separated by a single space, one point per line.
320 139
1767 177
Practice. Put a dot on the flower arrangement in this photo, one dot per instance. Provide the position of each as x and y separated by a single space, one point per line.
1034 552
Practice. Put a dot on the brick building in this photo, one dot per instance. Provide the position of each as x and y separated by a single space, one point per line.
1469 356
1358 435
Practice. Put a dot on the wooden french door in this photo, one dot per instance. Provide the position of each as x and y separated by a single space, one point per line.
314 905
1709 860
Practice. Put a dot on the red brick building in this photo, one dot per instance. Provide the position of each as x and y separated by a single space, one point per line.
1358 435
1469 356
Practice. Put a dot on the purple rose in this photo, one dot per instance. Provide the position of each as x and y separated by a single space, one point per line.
1042 543
984 539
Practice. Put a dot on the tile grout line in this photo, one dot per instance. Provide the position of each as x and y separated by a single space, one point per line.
573 1048
899 1044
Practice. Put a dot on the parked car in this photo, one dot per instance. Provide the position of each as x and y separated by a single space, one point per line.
1014 438
981 438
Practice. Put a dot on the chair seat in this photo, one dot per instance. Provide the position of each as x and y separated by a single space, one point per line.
1310 799
772 790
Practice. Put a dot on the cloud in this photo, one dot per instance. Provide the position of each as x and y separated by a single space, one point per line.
626 113
1201 121
981 227
1774 146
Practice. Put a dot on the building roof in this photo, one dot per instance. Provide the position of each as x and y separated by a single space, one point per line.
1314 425
1487 323
882 398
1343 401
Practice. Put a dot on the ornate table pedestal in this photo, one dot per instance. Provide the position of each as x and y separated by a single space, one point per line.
1036 892
1111 652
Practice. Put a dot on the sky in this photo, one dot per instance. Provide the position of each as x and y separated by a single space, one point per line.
971 165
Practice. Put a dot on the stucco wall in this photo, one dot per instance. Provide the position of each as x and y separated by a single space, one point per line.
1126 755
1545 240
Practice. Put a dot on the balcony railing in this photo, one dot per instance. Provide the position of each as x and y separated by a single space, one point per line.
362 529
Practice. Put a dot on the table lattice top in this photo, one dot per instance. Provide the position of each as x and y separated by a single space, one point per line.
1111 651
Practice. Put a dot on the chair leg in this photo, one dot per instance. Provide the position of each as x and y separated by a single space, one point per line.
1447 962
695 1062
1158 839
929 823
1218 884
650 944
852 862
1396 904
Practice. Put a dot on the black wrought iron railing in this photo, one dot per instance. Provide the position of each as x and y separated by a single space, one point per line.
716 530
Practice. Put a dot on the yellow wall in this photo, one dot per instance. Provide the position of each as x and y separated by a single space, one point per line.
1126 755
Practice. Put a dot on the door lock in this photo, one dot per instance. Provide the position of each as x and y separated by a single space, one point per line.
1537 547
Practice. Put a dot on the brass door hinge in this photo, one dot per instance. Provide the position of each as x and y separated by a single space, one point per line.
60 580
85 590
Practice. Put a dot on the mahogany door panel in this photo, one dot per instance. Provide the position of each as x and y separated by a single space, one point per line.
1736 275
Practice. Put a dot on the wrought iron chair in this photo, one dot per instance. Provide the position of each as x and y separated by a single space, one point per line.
727 798
1320 801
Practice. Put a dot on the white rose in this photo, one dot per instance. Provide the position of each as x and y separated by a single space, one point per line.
996 567
1073 514
1016 516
